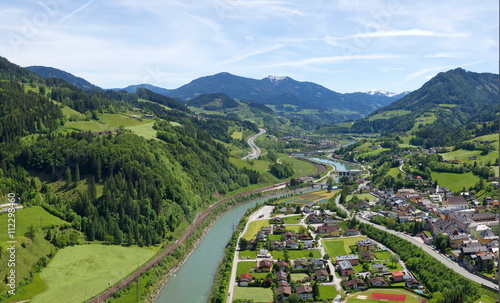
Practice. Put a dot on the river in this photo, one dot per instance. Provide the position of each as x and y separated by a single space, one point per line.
193 281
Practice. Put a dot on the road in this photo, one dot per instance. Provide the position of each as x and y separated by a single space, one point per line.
255 153
436 255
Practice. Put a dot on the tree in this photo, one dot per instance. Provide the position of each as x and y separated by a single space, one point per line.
329 184
67 176
390 223
77 174
394 259
31 233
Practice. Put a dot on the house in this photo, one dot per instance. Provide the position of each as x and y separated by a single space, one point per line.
149 116
277 245
487 236
321 275
300 264
353 259
457 202
304 292
264 266
367 256
412 283
291 244
261 236
283 292
345 268
365 245
318 263
456 241
308 243
281 276
264 254
267 230
304 236
380 268
351 232
276 220
332 230
245 279
354 284
378 281
282 265
312 219
397 276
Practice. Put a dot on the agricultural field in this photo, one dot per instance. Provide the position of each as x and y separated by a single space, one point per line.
25 217
144 130
110 122
237 136
340 247
389 114
455 182
301 168
257 294
254 228
87 270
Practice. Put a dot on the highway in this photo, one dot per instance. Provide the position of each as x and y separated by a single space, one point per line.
255 153
436 255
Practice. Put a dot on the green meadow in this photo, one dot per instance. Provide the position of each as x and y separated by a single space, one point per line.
87 270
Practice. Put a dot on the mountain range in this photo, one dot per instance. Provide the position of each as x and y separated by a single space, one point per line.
287 97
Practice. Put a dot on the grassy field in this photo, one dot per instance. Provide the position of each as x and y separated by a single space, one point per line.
460 154
254 228
298 277
455 182
301 168
36 216
340 247
237 136
382 255
327 292
410 297
257 294
297 254
247 267
389 114
111 122
370 197
294 228
247 254
395 172
292 219
88 270
144 130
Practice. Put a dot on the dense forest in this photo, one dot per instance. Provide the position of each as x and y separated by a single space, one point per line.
134 190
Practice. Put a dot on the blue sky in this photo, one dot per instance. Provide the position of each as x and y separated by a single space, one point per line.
344 45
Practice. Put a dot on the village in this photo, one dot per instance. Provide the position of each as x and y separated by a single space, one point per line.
298 253
298 250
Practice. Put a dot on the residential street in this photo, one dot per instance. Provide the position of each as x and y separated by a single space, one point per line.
440 257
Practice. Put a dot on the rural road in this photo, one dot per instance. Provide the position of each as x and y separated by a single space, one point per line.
441 258
255 153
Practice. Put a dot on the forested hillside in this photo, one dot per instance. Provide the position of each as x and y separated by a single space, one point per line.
449 100
109 184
